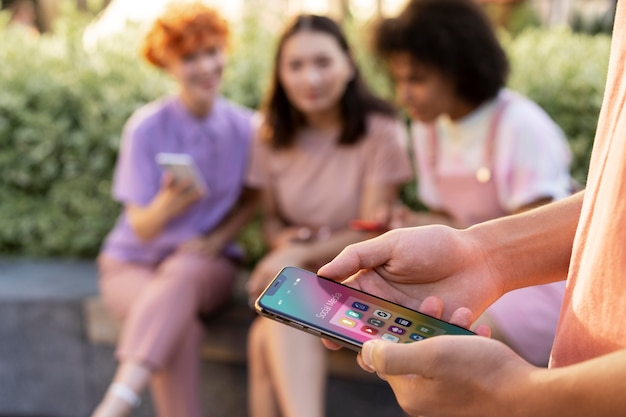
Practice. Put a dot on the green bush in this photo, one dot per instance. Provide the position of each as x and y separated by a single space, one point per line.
62 109
565 73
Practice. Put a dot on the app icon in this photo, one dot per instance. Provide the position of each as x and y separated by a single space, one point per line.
425 330
360 306
416 337
354 314
347 322
375 322
369 330
390 338
403 322
381 314
396 329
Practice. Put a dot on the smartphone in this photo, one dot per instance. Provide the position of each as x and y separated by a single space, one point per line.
182 167
325 308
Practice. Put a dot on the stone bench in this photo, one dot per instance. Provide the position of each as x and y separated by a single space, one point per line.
227 334
57 341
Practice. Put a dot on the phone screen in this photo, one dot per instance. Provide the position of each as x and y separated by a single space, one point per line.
319 305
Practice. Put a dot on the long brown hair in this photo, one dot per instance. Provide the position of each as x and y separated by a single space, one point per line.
283 120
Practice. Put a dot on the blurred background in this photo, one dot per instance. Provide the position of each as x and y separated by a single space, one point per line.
70 77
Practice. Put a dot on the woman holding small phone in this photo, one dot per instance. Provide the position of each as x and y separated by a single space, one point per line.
327 152
169 258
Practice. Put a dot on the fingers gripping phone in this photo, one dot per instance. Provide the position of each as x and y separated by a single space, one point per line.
182 167
350 317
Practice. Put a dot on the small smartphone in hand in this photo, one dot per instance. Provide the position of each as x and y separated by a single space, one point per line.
350 317
182 167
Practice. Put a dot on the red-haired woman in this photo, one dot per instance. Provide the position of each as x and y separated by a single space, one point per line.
167 259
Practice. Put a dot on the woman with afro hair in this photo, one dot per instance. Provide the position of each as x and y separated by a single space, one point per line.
481 150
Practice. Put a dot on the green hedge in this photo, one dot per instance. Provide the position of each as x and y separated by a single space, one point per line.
62 109
565 73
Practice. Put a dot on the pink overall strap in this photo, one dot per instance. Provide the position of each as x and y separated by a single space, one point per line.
493 129
489 145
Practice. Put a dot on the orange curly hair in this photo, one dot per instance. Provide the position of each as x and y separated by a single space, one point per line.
181 30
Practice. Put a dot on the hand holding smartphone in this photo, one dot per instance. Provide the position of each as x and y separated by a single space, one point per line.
350 317
182 167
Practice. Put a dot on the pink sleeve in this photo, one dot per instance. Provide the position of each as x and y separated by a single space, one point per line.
258 175
532 157
425 177
389 163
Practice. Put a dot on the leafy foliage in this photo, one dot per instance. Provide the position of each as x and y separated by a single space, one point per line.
565 73
62 109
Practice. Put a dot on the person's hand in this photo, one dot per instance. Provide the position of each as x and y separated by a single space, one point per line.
289 235
271 264
400 216
450 375
210 245
172 199
176 196
407 265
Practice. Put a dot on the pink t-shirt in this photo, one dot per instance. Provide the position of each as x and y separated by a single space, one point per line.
530 160
320 183
592 320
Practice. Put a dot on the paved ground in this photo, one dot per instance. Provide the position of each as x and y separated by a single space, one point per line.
32 279
47 369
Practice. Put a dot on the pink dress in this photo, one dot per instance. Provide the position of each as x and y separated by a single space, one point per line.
527 318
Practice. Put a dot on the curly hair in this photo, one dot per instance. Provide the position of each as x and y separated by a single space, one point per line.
452 36
181 30
283 120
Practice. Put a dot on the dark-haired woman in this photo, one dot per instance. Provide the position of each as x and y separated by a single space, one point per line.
327 152
481 151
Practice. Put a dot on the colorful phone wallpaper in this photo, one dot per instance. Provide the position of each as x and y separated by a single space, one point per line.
347 313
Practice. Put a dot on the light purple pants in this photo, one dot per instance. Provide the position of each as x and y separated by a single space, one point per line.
159 306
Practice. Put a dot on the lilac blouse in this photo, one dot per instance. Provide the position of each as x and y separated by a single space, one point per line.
219 144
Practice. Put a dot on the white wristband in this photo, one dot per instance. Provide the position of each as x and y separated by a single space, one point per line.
126 394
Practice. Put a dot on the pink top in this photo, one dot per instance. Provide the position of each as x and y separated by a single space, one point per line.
592 319
319 183
530 157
